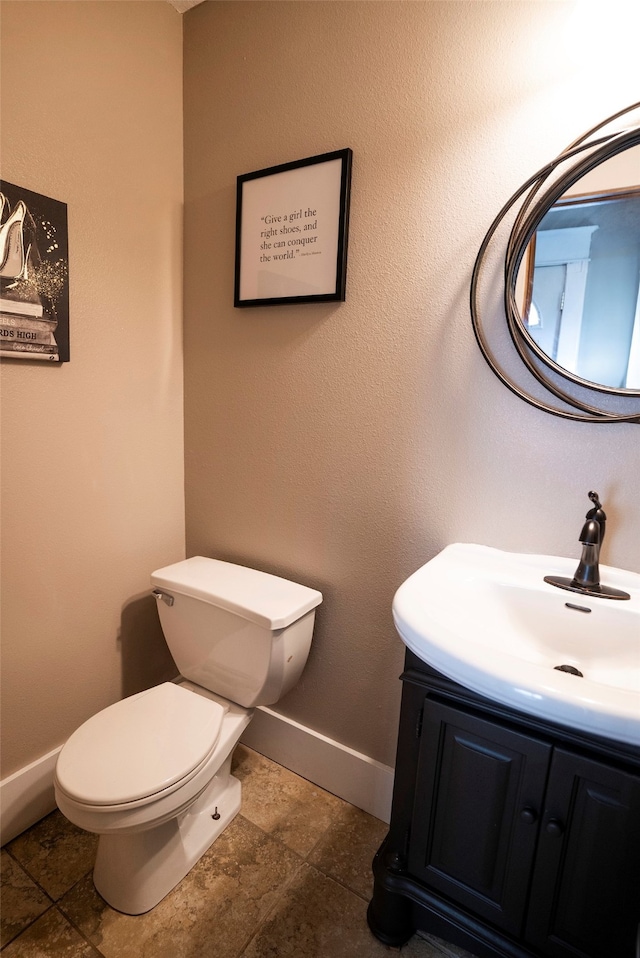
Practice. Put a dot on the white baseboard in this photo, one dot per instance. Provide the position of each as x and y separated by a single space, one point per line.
27 796
337 768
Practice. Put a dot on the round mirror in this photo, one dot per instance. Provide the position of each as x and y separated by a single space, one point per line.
578 287
572 278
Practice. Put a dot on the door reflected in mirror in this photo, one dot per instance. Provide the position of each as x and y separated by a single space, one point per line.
579 286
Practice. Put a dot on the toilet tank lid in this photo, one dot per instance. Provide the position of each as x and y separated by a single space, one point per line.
270 601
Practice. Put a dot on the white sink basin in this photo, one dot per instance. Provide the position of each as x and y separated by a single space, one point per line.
488 620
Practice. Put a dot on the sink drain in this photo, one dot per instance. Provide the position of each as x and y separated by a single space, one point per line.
568 668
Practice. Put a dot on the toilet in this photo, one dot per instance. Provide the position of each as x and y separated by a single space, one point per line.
151 775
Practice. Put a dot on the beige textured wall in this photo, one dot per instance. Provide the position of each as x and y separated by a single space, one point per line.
344 445
92 481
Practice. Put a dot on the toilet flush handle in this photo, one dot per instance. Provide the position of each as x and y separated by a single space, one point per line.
160 594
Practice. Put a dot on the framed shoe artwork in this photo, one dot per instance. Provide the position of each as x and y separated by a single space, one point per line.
34 276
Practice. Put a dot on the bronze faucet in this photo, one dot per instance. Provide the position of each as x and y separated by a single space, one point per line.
587 577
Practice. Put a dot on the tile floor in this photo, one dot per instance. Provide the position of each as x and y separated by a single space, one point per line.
289 878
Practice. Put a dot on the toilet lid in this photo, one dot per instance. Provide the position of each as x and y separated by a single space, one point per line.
139 746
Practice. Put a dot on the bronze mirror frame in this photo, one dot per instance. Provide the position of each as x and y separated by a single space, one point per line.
579 399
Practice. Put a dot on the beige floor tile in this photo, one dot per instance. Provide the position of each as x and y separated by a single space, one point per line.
50 937
212 912
55 853
287 806
436 948
418 947
346 849
22 900
251 895
317 918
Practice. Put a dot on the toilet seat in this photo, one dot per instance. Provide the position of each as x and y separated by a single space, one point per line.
145 746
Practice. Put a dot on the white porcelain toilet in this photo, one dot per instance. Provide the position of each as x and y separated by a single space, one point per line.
151 774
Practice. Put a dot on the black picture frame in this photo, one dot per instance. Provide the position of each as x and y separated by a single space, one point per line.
34 276
292 225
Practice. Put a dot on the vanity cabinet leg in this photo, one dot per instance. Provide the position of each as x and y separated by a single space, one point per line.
389 916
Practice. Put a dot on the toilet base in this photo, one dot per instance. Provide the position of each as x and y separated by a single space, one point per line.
135 870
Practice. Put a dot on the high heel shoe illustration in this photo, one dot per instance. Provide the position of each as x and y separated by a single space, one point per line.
24 289
4 207
12 252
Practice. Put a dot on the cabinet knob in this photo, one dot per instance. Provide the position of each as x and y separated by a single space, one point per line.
529 815
554 827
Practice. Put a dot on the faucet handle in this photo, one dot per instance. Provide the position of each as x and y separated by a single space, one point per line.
595 498
596 513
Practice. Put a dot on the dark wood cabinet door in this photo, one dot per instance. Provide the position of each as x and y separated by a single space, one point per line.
479 793
585 895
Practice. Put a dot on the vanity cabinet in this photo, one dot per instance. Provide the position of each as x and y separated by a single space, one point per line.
508 836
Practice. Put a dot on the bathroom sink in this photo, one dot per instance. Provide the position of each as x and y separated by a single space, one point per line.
488 620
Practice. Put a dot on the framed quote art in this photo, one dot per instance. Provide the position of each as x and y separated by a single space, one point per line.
292 224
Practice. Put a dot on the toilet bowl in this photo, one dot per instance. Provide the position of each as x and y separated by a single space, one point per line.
151 775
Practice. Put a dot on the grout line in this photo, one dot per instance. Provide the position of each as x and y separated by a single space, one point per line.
31 877
52 907
79 930
339 881
53 903
274 838
270 911
28 925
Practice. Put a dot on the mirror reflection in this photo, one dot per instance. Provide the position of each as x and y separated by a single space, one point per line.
579 283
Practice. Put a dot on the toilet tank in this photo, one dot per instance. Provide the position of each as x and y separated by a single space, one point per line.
235 631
